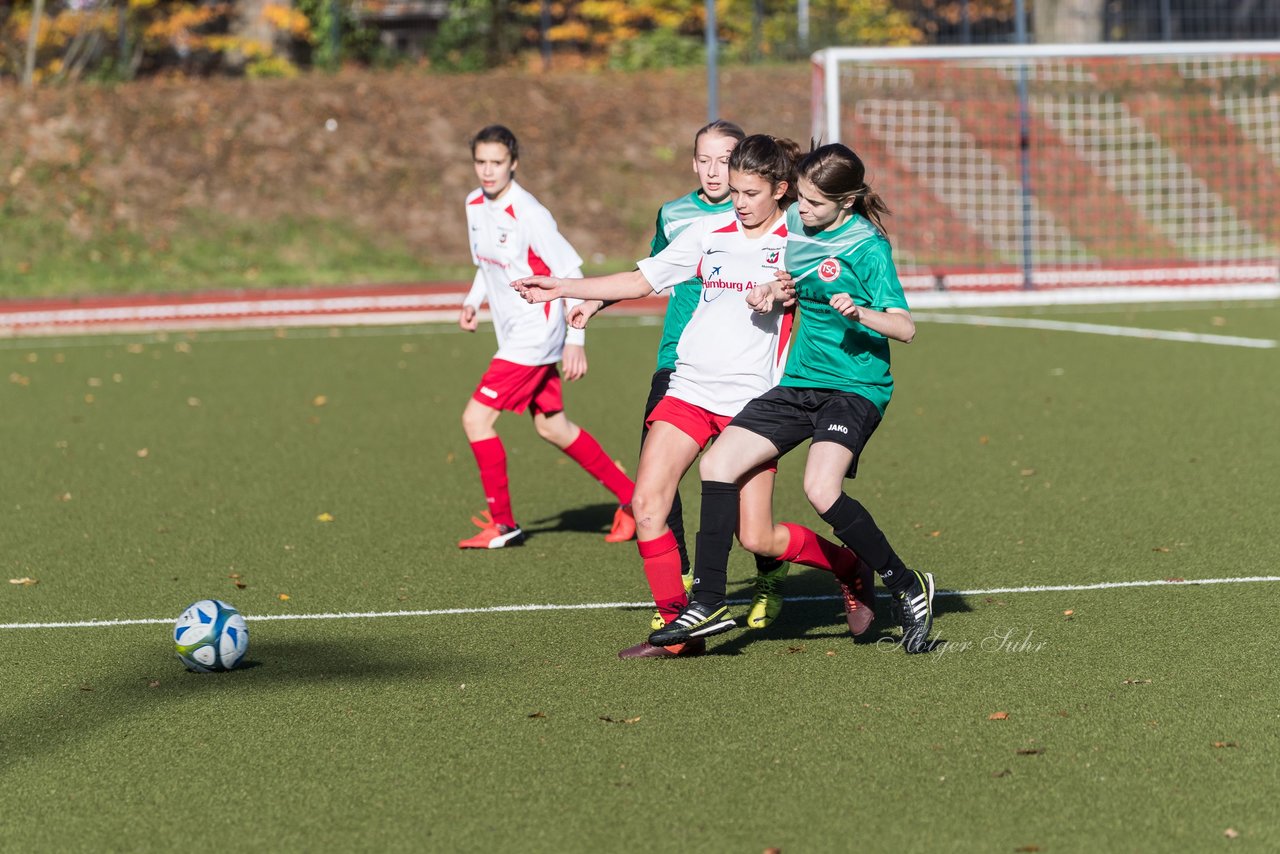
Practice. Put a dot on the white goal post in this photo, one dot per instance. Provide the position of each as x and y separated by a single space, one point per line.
1055 166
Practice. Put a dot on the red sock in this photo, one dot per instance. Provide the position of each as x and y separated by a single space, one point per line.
491 457
586 452
808 548
662 570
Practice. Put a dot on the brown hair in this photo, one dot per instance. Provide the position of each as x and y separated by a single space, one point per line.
497 133
840 175
719 127
771 158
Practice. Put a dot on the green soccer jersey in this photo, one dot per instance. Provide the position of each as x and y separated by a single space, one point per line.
673 218
830 351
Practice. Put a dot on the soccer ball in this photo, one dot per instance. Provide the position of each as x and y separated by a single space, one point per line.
210 635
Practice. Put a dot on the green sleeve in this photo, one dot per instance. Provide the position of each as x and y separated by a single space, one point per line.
659 241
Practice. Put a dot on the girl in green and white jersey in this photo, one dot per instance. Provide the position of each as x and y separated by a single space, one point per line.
833 392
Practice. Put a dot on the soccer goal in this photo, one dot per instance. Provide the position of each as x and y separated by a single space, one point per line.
1067 166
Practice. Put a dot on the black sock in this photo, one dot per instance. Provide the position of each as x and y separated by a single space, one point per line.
715 538
857 530
767 564
675 521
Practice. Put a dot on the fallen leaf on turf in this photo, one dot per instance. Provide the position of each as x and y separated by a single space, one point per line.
24 581
1160 549
773 851
998 716
1231 833
325 517
1030 751
795 649
1218 321
1137 681
1005 773
193 401
86 688
1067 613
240 585
831 652
18 379
610 720
283 597
234 575
982 440
319 400
143 453
133 348
936 534
537 715
154 683
1027 472
1225 744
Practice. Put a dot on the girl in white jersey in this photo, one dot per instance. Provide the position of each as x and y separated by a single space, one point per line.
511 236
833 393
727 354
712 146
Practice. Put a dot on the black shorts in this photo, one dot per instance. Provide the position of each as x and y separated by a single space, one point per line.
787 416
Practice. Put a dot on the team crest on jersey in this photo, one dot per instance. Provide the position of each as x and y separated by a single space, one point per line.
502 238
772 257
829 270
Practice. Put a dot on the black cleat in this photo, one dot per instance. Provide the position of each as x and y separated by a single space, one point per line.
913 609
695 621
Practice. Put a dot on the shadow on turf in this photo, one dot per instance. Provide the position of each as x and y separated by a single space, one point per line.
127 691
590 519
821 619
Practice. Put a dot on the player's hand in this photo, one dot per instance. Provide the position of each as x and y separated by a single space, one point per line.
784 288
760 298
844 304
583 312
536 289
574 362
468 319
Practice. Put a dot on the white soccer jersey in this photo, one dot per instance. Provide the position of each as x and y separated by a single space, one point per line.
511 238
728 353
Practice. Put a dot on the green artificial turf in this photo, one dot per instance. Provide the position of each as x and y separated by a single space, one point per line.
1143 719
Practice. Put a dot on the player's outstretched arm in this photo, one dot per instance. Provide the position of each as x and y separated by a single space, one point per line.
630 285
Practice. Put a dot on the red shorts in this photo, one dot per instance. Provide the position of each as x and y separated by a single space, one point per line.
506 385
695 422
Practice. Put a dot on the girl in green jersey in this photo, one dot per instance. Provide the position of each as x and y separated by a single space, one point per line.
834 392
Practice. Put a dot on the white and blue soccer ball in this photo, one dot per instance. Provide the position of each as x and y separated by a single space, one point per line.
210 636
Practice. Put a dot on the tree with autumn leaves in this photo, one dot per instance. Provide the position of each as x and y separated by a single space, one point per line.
71 39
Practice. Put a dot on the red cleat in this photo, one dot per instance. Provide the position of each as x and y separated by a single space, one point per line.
492 535
697 646
624 525
859 599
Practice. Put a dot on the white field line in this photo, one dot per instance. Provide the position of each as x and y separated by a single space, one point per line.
1098 329
604 606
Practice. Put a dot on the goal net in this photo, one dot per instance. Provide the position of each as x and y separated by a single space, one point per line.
1053 166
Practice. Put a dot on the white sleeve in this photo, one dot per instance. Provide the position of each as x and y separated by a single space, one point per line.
572 335
551 246
475 296
677 263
